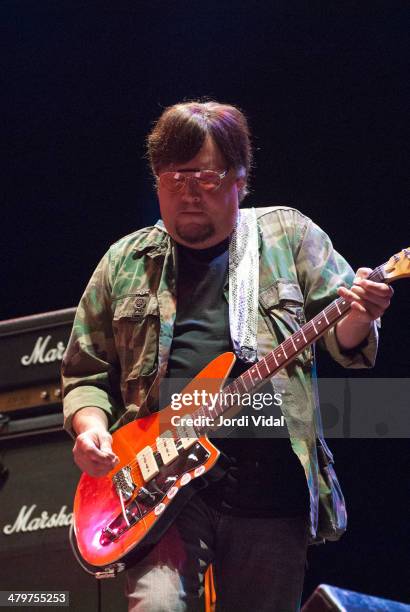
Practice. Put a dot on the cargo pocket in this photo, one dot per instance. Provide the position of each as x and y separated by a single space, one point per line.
136 327
284 308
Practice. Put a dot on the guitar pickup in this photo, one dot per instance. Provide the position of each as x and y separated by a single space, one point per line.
187 435
147 463
167 448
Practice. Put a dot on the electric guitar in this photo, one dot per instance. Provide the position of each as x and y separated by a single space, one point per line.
121 515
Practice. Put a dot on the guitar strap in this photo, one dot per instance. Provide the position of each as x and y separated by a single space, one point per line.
244 285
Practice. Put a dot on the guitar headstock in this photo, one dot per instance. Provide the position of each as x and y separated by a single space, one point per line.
398 266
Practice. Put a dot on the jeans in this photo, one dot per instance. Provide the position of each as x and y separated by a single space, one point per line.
258 564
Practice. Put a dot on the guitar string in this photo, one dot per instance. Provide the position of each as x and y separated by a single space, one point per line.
286 347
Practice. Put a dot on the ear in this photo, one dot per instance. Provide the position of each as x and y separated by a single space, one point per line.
241 186
240 183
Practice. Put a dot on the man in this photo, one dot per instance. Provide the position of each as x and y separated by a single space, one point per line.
161 304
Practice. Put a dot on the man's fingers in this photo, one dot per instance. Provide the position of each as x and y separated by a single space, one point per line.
377 288
91 467
93 453
105 442
363 272
361 294
366 308
368 305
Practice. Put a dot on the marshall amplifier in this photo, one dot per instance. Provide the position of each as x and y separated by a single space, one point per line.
328 598
31 350
38 477
37 490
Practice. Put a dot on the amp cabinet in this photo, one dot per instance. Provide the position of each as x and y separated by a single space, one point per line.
38 481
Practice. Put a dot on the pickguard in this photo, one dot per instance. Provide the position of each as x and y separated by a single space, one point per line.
151 495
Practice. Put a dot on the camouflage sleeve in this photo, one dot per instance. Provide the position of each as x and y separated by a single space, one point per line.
90 370
321 270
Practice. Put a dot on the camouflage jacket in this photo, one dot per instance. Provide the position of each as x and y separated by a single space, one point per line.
123 331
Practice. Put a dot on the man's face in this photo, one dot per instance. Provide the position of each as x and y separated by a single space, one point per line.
195 218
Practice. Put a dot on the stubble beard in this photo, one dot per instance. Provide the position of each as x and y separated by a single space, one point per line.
194 233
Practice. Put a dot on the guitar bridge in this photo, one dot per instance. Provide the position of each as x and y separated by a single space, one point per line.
124 483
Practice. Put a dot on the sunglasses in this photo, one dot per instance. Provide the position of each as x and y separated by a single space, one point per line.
207 180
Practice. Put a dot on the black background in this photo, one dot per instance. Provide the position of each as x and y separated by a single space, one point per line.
325 88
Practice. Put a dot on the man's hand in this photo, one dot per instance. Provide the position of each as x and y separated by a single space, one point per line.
92 450
368 301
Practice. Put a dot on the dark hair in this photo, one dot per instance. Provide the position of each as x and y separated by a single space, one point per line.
181 130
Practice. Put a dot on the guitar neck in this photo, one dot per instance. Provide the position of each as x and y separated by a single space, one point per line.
283 354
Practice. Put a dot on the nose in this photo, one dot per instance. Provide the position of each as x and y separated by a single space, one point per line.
191 191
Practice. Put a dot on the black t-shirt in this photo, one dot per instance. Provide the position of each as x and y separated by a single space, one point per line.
265 478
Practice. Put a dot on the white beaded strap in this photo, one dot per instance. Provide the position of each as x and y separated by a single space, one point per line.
244 285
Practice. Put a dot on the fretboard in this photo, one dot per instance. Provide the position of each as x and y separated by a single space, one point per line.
282 355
